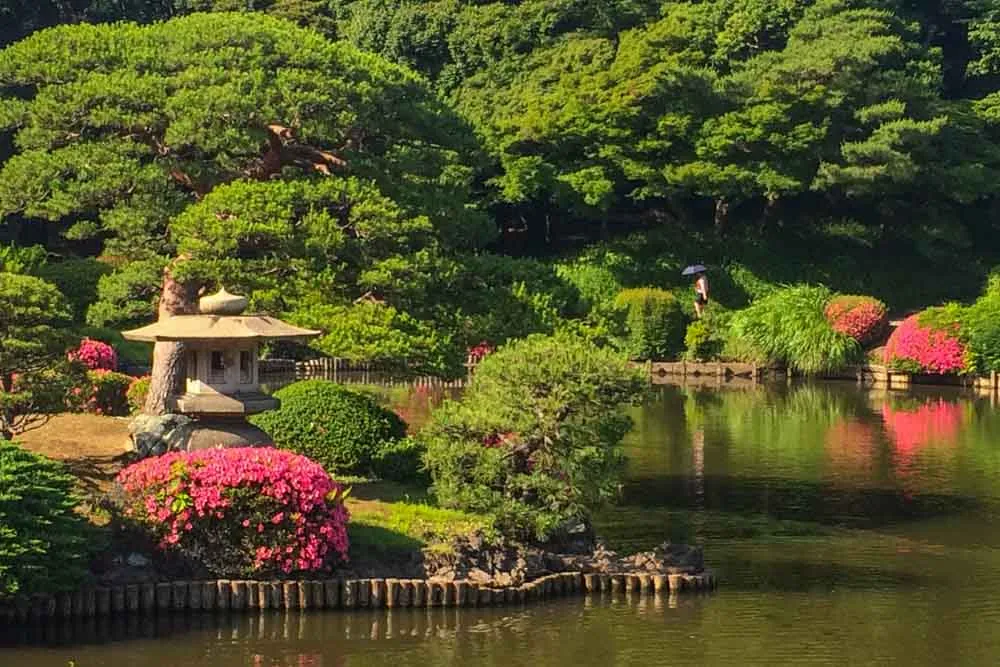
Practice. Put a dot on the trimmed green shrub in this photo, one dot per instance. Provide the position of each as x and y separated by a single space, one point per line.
535 440
43 541
789 326
342 430
654 323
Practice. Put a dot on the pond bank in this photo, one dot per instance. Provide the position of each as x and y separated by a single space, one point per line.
224 595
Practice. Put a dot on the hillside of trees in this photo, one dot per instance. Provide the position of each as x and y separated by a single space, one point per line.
416 177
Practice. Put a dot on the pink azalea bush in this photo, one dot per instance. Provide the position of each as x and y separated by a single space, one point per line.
95 355
863 318
240 511
919 348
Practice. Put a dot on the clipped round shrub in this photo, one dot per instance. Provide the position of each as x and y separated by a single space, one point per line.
919 347
241 511
654 323
43 541
341 429
95 355
136 393
863 318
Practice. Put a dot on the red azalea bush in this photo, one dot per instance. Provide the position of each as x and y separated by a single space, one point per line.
922 348
240 511
95 355
863 318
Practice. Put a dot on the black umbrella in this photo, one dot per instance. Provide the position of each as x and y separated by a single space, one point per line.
693 269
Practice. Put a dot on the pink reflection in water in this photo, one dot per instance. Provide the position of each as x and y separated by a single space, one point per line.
910 430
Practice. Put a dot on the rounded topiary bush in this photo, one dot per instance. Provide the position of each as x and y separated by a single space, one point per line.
655 323
240 511
341 429
44 543
919 345
863 318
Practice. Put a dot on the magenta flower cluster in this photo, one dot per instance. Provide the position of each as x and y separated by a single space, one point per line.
479 352
863 318
927 349
95 355
277 511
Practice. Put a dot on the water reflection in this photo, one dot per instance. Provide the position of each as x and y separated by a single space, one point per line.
847 527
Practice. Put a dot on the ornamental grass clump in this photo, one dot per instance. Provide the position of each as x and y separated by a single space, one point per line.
790 327
928 342
240 511
863 318
534 442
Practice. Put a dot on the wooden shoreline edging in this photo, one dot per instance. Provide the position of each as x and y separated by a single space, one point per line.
866 374
224 595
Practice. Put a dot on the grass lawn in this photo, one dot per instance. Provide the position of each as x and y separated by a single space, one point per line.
393 520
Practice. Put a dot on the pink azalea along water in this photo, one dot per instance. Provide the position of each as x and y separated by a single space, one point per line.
931 350
278 511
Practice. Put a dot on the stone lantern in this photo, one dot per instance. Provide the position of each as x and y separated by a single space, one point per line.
222 383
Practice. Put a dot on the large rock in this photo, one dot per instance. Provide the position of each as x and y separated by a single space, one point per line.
156 435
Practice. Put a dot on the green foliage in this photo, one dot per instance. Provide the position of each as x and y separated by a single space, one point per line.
77 279
249 127
790 327
535 440
136 393
33 367
400 461
381 334
654 323
17 259
44 543
342 430
105 393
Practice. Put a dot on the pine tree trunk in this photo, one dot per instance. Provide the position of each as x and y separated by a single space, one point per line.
168 358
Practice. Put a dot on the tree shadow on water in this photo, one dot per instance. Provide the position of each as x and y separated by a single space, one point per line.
796 500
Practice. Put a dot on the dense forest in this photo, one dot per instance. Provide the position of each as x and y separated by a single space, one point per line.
416 177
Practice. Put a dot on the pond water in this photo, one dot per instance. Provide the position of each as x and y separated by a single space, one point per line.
847 527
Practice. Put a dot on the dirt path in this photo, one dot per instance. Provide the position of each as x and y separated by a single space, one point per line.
89 445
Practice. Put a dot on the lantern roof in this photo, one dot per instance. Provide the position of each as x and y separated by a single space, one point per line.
220 317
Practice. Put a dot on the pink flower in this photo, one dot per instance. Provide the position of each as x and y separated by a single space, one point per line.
282 484
95 355
933 351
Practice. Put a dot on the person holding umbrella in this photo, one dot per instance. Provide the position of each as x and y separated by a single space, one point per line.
700 286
